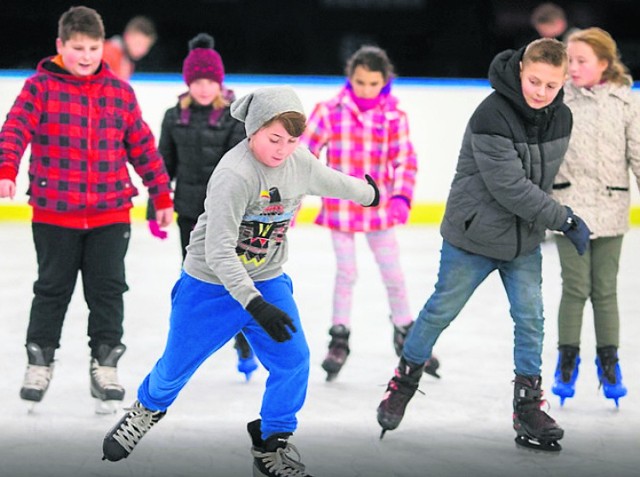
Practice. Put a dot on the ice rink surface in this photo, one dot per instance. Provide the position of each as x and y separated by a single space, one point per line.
461 426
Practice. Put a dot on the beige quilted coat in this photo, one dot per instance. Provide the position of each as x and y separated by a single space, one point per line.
605 145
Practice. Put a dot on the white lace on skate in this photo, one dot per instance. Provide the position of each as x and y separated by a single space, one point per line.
279 463
136 425
37 377
106 377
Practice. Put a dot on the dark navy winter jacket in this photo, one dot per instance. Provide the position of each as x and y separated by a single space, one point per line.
499 204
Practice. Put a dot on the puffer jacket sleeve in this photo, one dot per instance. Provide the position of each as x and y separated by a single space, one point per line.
403 160
316 134
632 135
503 174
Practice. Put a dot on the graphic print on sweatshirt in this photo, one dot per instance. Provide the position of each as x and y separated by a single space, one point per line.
257 231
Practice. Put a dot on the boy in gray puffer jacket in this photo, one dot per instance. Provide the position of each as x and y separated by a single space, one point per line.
496 216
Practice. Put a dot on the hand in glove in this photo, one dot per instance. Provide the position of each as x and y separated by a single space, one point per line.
376 197
399 209
272 319
155 230
576 230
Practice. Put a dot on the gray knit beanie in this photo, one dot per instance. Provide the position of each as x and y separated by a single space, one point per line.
257 108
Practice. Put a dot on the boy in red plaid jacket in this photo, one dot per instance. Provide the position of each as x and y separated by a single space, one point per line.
84 125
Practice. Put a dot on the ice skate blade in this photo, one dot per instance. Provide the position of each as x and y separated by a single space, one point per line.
382 433
106 407
331 377
546 447
32 407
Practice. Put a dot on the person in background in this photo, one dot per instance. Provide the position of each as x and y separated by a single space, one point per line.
84 126
594 181
233 280
195 134
549 21
122 51
497 212
364 131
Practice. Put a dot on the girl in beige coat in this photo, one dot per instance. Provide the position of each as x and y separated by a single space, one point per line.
594 182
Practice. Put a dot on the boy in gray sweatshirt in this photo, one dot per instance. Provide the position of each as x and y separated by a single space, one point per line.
233 281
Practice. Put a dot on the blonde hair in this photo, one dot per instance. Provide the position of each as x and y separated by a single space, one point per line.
605 48
546 50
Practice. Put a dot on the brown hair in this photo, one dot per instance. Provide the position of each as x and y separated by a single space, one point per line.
144 25
605 48
292 121
546 50
373 59
82 20
547 13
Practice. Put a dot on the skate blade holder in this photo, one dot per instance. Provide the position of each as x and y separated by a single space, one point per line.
538 447
106 407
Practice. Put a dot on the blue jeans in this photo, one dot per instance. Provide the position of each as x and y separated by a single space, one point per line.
204 316
460 274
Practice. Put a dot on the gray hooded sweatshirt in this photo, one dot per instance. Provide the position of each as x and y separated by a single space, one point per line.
241 236
499 204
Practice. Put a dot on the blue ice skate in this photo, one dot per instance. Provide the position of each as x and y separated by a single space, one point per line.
247 362
609 373
566 373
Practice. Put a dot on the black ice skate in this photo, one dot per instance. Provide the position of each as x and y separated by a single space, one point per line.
125 435
38 374
338 351
400 390
535 428
274 457
104 378
400 333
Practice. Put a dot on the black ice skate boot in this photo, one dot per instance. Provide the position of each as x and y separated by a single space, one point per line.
273 457
125 435
400 333
104 378
535 428
609 373
400 390
38 374
338 351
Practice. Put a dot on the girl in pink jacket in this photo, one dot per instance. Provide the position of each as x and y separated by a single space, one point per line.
364 132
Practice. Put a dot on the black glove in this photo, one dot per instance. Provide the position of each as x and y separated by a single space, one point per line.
576 230
272 319
376 198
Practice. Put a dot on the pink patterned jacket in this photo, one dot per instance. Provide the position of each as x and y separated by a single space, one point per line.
375 142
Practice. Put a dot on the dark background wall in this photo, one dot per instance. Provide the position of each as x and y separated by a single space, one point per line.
424 38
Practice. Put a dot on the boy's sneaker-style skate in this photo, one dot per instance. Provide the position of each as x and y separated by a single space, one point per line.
247 362
275 456
125 435
338 351
400 333
609 373
38 374
400 390
566 373
535 428
104 378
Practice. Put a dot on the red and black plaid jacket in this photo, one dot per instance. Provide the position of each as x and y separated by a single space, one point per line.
83 131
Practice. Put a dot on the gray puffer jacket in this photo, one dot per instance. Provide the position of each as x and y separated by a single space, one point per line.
499 204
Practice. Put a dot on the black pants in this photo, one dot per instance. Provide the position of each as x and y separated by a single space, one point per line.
62 252
186 225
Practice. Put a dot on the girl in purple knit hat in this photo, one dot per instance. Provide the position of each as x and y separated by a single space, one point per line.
195 134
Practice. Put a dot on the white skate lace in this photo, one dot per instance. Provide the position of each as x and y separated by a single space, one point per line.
105 376
136 425
37 377
280 463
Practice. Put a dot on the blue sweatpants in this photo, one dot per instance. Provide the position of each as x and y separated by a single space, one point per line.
203 318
